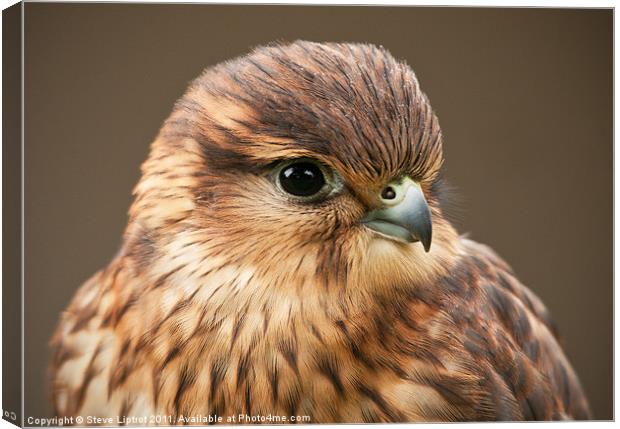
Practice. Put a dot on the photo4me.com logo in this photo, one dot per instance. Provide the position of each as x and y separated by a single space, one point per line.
244 418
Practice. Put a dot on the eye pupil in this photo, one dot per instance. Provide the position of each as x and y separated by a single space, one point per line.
302 179
388 193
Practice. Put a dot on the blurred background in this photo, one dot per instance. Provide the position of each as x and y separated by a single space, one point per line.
524 97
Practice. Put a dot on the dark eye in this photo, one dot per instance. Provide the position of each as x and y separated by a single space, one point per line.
302 179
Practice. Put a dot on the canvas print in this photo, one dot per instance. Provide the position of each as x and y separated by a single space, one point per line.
297 248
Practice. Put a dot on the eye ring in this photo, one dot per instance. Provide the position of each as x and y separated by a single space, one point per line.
305 179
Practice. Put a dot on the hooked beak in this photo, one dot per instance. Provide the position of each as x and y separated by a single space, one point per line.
405 215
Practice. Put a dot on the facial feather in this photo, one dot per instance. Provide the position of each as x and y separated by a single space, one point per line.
352 108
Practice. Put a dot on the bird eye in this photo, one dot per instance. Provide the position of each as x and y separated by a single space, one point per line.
302 179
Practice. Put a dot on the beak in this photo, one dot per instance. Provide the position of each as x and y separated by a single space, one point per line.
405 215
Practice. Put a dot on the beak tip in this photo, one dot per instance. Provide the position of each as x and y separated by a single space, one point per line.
426 242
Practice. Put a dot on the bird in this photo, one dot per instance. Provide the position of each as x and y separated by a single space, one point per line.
288 257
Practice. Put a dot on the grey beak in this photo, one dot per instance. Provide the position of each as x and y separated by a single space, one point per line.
405 217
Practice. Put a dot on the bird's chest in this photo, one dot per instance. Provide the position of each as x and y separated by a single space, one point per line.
285 358
274 384
309 374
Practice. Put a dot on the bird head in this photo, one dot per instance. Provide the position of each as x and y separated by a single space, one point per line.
300 160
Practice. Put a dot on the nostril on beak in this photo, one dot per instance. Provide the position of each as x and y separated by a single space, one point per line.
388 193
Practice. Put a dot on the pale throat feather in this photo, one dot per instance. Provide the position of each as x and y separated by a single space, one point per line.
271 287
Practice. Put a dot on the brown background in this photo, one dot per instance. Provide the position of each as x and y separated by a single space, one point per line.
524 97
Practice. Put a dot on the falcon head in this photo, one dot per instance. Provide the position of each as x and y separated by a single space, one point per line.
306 163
